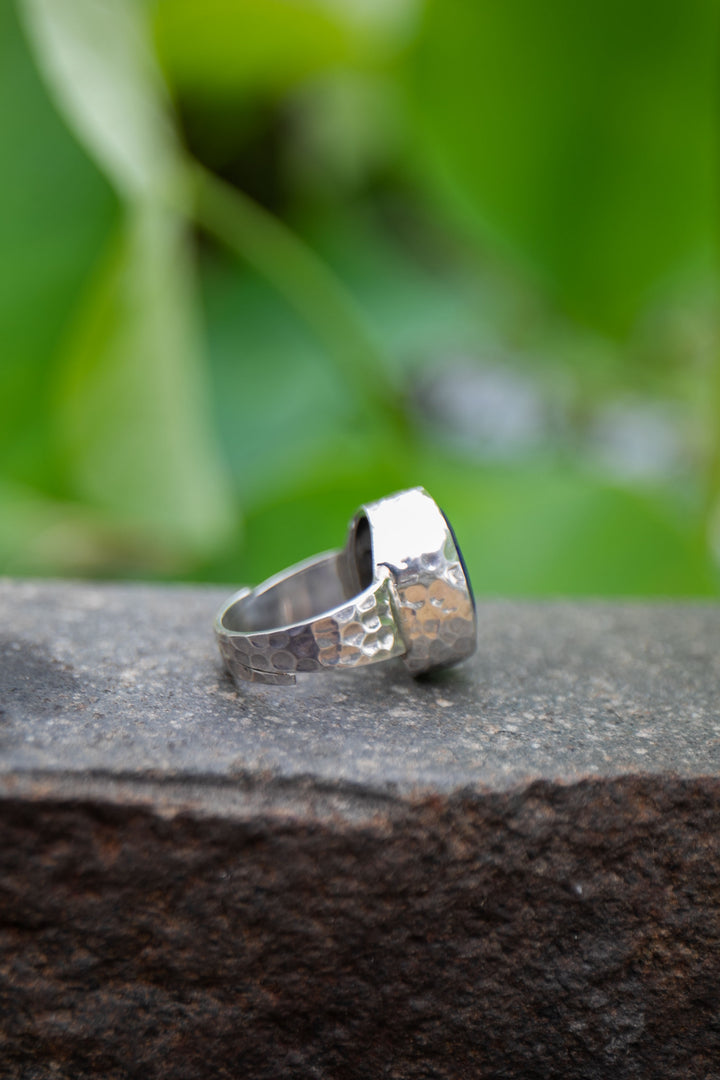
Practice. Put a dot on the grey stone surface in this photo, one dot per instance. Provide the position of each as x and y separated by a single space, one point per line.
127 681
511 872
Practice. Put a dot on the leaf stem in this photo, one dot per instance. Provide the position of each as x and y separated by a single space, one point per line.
305 281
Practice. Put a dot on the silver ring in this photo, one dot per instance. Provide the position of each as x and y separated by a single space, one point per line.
399 587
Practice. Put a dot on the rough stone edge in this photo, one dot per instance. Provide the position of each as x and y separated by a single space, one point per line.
240 798
669 814
245 797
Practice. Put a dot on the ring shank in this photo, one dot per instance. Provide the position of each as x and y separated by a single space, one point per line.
291 597
308 618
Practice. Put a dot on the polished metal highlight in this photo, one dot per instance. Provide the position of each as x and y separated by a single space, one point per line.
398 588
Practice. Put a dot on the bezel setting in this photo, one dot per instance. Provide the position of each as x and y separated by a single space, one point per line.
412 539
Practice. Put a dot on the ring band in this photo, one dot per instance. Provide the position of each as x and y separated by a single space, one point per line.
399 588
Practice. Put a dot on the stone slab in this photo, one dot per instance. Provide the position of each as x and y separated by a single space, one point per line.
510 871
126 680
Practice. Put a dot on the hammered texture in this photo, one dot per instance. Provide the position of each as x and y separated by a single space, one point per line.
419 605
436 612
412 539
363 631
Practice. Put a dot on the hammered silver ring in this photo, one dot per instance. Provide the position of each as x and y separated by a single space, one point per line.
399 588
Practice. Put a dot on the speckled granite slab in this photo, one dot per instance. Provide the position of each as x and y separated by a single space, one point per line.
510 871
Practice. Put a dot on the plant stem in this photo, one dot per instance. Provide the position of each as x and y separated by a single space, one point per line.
311 288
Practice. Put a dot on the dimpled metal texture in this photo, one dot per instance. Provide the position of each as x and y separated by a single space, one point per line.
361 631
435 607
402 591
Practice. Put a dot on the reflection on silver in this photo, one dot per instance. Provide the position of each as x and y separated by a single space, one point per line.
397 588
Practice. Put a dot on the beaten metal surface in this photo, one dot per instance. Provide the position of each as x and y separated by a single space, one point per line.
435 607
323 613
352 633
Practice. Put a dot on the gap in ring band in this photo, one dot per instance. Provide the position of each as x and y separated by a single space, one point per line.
309 591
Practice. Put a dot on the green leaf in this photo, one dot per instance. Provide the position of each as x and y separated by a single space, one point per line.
131 410
544 529
577 139
130 435
232 47
57 210
97 58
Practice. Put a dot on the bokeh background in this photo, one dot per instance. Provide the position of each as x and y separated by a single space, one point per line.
262 260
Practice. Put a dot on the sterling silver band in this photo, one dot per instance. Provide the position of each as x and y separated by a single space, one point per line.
398 588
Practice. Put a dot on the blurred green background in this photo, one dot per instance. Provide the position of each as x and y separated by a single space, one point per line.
262 260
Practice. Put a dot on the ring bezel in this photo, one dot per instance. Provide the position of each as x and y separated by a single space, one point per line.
412 538
399 587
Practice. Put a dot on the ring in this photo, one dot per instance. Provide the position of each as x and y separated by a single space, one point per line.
399 588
